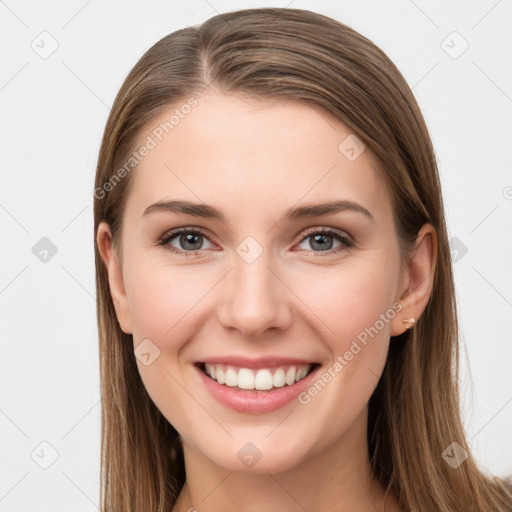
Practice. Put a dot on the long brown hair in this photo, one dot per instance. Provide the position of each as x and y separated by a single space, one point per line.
297 55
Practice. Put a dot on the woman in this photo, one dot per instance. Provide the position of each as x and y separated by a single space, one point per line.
276 306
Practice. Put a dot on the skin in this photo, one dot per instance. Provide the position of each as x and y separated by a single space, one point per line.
253 161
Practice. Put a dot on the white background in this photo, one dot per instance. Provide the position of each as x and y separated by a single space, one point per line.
53 113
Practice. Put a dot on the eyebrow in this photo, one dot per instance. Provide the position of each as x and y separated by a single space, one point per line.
301 212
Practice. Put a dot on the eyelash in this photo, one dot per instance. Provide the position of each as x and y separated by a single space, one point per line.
347 243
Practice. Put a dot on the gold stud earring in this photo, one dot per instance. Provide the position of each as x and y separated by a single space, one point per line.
409 322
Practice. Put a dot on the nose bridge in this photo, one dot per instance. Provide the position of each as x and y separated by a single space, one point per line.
255 298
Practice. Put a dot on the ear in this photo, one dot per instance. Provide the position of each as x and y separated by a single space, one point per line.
417 279
115 277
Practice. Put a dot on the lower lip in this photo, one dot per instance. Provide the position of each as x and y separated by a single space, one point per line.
253 401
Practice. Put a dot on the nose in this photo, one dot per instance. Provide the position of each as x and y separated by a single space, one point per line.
254 298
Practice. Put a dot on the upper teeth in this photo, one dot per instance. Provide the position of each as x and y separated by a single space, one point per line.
261 379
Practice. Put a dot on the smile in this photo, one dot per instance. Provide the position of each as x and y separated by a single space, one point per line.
260 379
255 390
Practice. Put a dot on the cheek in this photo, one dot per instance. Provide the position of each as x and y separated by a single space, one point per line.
352 307
348 300
163 301
162 298
353 311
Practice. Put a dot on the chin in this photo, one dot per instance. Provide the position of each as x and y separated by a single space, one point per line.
258 458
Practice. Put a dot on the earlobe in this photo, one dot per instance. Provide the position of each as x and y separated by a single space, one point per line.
419 280
115 277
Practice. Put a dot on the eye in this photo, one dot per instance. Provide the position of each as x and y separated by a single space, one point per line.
189 242
186 241
323 240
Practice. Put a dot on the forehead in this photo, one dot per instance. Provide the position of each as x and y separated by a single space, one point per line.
237 153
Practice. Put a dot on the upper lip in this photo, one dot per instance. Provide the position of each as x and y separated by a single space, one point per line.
260 362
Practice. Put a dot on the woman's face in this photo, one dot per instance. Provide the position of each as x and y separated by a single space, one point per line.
262 279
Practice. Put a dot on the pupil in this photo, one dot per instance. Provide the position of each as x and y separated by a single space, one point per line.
189 239
322 246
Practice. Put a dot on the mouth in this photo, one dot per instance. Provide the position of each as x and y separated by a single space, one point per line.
257 380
